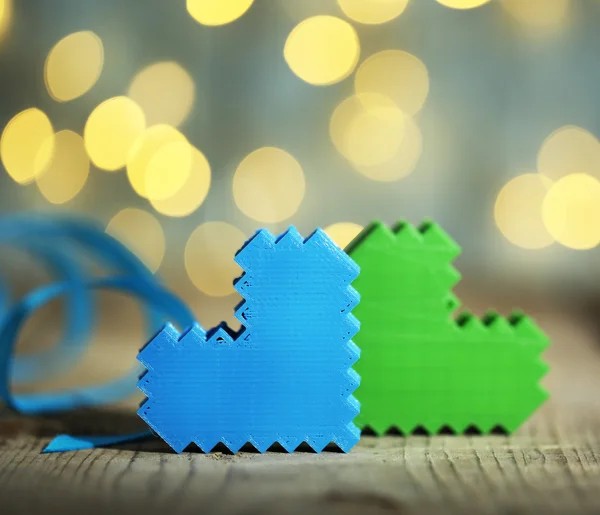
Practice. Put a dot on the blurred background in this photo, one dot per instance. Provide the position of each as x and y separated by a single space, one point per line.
183 127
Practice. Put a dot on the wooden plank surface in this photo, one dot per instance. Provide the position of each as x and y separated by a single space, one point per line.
551 465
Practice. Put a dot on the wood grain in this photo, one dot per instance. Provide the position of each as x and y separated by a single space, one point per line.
551 465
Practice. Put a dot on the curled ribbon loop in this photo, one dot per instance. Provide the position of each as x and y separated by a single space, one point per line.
79 314
65 246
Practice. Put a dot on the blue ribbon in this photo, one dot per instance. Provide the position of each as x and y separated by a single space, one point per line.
79 320
60 244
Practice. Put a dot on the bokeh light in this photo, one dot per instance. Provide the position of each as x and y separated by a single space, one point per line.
6 9
404 161
538 13
165 91
141 233
145 149
209 254
111 130
518 211
571 211
373 11
343 233
374 136
464 4
367 129
192 194
27 144
322 50
569 150
73 65
217 12
396 74
269 185
168 170
68 170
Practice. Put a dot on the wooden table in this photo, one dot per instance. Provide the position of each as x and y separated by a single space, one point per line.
551 465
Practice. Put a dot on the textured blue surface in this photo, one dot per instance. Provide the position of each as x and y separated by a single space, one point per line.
287 375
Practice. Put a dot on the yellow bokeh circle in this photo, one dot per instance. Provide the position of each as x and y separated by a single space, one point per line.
165 91
322 50
192 193
73 65
343 233
168 170
6 9
571 211
269 185
404 161
142 153
396 74
27 145
142 233
367 129
375 134
464 4
538 13
68 170
568 150
518 211
372 12
217 12
111 130
208 257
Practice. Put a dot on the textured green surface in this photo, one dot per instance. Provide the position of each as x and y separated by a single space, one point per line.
421 366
